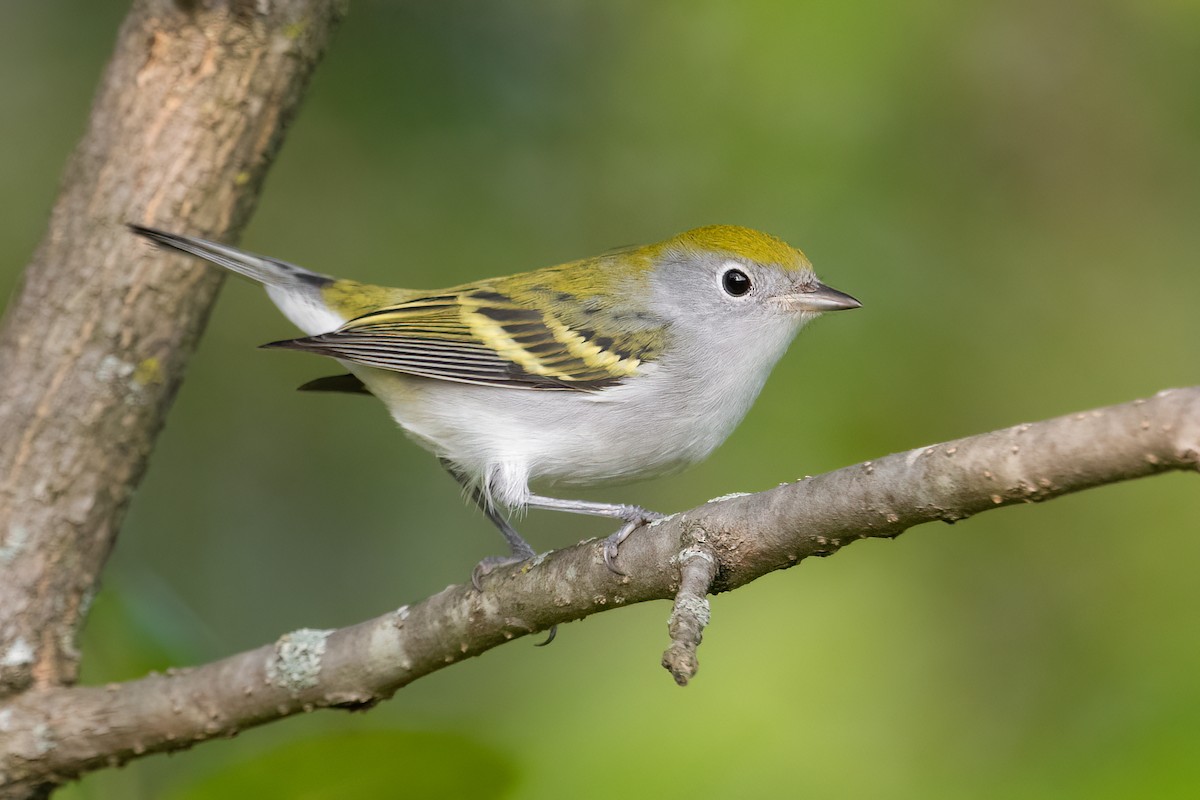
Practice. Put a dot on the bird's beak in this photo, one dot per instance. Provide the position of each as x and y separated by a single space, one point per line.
819 299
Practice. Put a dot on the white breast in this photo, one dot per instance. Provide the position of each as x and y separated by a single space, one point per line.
671 416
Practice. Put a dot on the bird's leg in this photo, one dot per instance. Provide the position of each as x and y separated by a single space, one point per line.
521 551
519 548
633 517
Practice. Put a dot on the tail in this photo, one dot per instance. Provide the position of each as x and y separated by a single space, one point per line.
267 271
295 290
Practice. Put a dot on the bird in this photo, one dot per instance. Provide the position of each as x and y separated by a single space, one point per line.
629 365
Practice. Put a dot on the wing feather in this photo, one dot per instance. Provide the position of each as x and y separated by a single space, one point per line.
481 336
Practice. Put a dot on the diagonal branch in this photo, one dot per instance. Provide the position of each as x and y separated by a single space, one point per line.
52 734
187 118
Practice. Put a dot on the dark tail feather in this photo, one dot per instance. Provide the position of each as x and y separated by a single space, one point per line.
349 384
268 271
287 344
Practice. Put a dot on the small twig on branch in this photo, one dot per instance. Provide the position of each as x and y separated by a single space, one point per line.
690 616
57 733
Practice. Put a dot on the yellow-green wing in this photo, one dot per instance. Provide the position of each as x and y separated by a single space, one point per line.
482 336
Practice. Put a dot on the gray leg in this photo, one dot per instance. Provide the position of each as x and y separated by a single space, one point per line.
519 548
633 517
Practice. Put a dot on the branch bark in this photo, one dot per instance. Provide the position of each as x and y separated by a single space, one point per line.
187 118
56 733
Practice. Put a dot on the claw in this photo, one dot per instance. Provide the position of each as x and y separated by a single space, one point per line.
635 518
490 563
549 636
611 545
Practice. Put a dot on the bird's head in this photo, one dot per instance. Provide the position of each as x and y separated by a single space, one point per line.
723 275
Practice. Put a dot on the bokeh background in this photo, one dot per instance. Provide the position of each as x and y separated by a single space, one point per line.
1013 190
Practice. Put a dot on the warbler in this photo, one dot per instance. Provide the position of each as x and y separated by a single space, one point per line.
632 364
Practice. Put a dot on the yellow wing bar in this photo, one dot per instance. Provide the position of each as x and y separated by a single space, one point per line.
481 336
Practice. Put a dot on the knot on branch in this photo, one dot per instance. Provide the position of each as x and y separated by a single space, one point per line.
689 617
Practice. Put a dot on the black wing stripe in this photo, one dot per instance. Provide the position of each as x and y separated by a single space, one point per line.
424 305
400 356
510 316
403 364
404 352
542 348
444 361
525 328
395 342
442 327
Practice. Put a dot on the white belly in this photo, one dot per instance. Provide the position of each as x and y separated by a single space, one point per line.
504 438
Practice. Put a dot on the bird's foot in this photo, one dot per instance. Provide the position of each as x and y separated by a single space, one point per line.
634 517
487 565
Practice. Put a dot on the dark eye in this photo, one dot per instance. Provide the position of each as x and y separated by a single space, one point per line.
735 282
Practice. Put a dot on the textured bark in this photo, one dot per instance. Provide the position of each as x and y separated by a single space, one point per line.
56 733
187 118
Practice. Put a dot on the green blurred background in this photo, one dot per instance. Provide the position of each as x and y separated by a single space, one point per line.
1013 190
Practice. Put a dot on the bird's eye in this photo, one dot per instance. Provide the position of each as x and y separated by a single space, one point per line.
735 282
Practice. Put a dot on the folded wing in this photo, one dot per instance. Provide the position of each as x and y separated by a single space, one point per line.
480 336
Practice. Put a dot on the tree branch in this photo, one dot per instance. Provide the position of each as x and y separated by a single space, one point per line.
186 121
187 118
50 734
